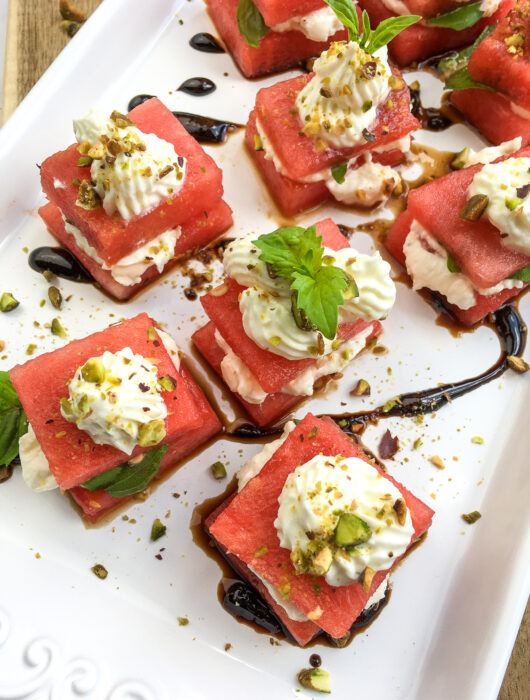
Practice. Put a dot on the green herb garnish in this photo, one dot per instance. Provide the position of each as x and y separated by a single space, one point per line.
13 421
127 479
451 265
338 172
461 18
450 64
523 274
250 23
296 254
461 80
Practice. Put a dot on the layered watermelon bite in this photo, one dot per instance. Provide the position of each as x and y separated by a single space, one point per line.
444 25
296 307
491 85
268 35
108 413
133 195
466 236
317 526
335 133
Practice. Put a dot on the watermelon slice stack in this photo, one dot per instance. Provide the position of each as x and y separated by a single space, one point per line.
72 455
198 207
502 62
277 50
475 246
272 371
279 121
242 530
421 40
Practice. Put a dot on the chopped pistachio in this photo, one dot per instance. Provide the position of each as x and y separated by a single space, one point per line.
396 83
93 371
84 161
460 160
100 571
55 297
518 364
151 433
322 562
261 551
8 302
258 143
48 275
183 621
75 182
167 383
351 531
366 578
275 340
31 349
315 679
87 197
513 202
474 207
389 405
218 470
66 406
477 440
120 120
57 328
417 443
400 509
158 530
472 517
438 462
367 105
151 333
362 388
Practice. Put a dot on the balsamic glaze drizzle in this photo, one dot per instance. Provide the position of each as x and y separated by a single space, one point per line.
206 129
138 100
430 118
205 42
59 261
198 87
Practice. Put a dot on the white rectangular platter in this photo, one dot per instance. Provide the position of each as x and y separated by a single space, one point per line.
458 599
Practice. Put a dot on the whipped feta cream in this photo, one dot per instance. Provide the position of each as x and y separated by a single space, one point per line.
315 496
341 100
35 467
489 7
491 153
120 404
316 26
507 186
366 185
130 269
132 171
426 262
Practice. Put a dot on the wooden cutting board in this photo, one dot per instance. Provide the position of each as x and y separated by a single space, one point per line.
34 38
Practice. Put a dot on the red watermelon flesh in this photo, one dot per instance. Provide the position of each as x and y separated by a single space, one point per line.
290 196
431 8
491 114
395 241
275 405
72 455
271 370
194 234
302 632
476 246
96 504
276 51
112 237
492 62
243 528
277 11
296 151
420 41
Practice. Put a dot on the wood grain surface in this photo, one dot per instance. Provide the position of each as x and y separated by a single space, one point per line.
34 38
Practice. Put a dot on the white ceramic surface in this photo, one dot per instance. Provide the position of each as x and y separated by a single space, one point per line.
64 633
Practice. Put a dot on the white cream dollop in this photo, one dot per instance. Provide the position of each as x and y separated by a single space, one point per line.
491 153
241 262
35 467
500 182
316 26
341 100
133 181
115 409
315 495
129 269
366 185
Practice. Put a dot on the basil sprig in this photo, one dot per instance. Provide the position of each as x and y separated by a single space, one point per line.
369 39
523 274
461 80
450 64
13 420
339 172
458 19
250 22
297 255
127 479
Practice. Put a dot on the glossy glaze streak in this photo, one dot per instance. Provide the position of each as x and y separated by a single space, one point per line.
59 261
138 100
430 118
205 42
206 129
198 87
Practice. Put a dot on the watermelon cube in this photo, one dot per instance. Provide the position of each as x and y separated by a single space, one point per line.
72 455
271 371
475 246
96 504
194 234
501 61
244 529
112 237
420 41
277 50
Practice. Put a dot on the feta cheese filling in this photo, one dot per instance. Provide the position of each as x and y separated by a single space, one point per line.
340 102
507 186
314 498
132 171
35 466
316 26
426 262
130 269
491 153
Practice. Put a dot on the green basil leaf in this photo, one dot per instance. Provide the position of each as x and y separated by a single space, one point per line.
388 29
127 479
451 265
320 297
250 22
291 249
461 80
458 19
450 64
13 420
367 30
523 274
346 12
339 172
